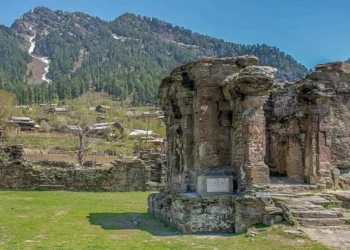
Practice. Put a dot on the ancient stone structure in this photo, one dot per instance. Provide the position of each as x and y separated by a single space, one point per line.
309 128
226 121
124 175
215 121
121 176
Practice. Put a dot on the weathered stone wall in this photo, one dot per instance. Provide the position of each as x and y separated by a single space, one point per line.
120 176
215 121
11 153
308 127
127 174
157 164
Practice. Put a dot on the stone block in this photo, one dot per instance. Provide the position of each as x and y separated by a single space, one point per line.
255 80
208 186
269 220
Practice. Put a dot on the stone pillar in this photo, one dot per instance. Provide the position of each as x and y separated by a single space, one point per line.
253 82
253 169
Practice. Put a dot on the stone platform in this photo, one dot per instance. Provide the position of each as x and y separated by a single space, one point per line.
189 213
221 214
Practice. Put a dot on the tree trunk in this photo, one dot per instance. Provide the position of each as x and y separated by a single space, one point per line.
81 150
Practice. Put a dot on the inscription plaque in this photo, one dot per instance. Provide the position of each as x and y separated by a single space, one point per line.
210 185
217 185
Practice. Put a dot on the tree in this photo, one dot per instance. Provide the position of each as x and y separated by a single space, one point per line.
80 122
7 101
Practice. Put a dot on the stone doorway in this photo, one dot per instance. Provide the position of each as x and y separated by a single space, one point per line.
285 159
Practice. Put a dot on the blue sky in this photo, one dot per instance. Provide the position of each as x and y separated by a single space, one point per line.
312 31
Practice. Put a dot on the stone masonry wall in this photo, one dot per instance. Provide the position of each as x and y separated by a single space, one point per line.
121 176
125 174
308 127
231 214
193 215
157 164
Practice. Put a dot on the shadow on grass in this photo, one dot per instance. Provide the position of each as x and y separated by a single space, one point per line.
124 221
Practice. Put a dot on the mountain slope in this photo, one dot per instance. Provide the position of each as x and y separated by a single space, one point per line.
130 25
13 57
126 57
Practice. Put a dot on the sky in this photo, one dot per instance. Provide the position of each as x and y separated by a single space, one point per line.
312 31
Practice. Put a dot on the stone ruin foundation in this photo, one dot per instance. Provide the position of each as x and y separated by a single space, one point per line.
143 173
229 128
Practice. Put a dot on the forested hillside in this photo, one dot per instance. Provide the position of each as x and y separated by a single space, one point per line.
125 57
13 58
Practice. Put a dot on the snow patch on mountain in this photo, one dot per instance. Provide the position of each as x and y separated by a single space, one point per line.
43 59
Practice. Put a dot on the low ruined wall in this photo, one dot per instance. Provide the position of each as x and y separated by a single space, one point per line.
10 153
157 164
122 176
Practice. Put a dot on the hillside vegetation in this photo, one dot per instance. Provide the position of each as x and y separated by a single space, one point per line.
126 57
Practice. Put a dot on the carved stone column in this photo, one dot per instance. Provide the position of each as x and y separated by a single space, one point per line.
253 83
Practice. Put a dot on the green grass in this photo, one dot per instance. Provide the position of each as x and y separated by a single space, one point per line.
83 220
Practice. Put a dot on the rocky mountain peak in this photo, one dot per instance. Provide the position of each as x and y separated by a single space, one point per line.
43 21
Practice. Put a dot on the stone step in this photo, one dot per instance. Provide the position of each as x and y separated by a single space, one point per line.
319 222
318 214
317 200
340 227
292 189
299 207
282 195
344 199
327 196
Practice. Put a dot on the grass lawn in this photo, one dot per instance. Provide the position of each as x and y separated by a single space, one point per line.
83 220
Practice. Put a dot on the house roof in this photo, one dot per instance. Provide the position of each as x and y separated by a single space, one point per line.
141 132
73 127
61 109
104 106
20 118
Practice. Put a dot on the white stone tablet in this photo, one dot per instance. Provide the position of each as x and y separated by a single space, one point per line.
217 185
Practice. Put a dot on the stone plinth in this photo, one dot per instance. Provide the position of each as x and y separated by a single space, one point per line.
191 214
208 186
219 214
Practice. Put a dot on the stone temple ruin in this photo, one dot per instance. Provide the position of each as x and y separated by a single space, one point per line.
230 129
